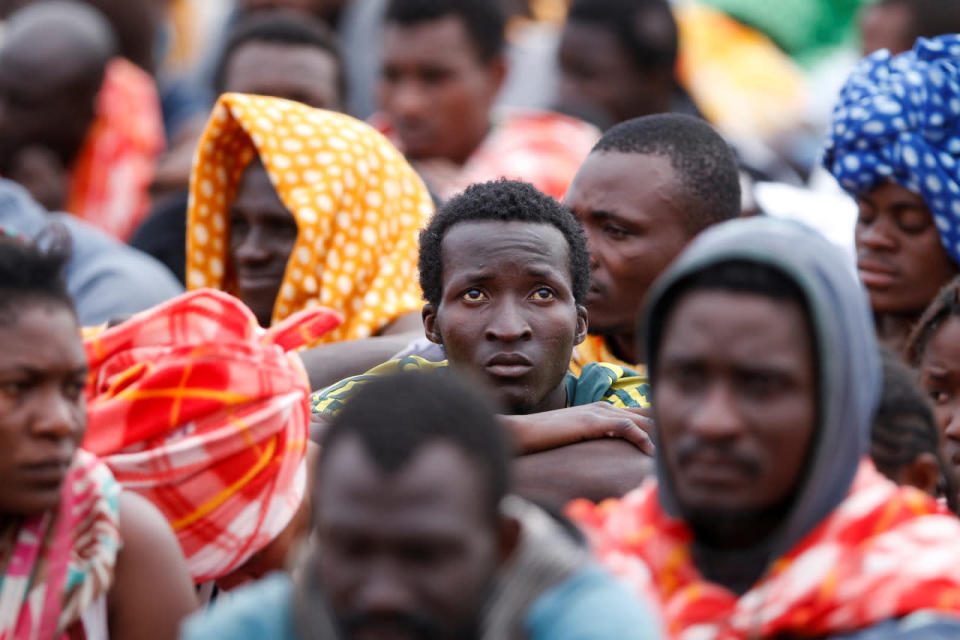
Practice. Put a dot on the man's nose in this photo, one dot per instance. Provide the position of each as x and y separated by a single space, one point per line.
508 323
717 417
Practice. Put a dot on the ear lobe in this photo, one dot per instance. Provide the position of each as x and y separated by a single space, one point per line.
923 473
430 328
582 324
509 538
498 72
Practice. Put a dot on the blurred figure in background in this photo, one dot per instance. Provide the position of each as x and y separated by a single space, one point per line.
79 126
896 24
443 67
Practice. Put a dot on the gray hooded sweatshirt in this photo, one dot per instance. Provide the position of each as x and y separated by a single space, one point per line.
849 375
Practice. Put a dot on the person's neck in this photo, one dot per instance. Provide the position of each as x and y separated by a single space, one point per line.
623 346
894 328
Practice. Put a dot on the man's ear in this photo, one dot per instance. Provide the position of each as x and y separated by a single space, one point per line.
430 328
497 71
509 538
923 473
582 324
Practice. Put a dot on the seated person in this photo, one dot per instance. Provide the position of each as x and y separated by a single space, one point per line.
279 54
648 187
443 67
767 519
905 441
505 272
79 127
932 351
205 414
292 206
895 149
79 556
105 278
417 537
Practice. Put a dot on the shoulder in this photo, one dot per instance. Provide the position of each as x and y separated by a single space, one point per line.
591 604
259 610
328 402
618 385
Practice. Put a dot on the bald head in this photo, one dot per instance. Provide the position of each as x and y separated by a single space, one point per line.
53 55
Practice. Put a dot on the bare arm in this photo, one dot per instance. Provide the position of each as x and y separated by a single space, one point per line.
596 469
551 429
152 591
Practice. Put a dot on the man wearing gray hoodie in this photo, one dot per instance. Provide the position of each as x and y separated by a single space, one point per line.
766 518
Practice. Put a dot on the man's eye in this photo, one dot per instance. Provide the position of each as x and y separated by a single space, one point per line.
615 232
939 396
544 293
474 295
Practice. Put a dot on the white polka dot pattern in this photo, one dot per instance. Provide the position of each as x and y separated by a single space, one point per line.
357 241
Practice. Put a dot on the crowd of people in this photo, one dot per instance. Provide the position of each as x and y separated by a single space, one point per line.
454 319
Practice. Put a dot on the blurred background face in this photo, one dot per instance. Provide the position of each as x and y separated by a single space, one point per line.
735 398
302 73
940 378
410 554
899 255
435 90
886 27
324 9
43 371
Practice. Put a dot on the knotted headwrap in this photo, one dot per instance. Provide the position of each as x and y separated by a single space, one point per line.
898 118
204 413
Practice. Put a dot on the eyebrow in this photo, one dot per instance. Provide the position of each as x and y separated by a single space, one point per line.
35 372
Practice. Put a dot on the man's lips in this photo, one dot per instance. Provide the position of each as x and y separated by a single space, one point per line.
876 274
715 469
508 365
251 281
46 473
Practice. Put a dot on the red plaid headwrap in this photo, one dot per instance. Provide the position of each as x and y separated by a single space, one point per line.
202 412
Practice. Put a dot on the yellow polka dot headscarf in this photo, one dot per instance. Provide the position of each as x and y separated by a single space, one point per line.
358 204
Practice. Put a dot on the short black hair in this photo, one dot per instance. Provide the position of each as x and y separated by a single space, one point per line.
484 20
279 26
704 162
645 28
928 18
735 276
501 201
904 427
394 416
944 306
33 271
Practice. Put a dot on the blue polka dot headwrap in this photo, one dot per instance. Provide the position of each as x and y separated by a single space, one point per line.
898 118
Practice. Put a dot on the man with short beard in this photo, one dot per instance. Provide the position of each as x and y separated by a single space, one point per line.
418 538
767 518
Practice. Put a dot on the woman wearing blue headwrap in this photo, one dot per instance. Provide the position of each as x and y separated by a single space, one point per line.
895 146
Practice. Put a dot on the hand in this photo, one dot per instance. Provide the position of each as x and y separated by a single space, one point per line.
551 429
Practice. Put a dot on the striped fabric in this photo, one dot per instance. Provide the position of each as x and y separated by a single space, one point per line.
204 413
598 381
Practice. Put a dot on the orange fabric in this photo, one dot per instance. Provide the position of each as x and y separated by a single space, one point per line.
884 552
205 414
110 178
595 349
359 208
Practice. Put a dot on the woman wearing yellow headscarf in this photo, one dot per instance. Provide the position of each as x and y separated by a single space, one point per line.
292 207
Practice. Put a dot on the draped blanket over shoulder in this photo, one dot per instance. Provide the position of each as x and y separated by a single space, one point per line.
57 564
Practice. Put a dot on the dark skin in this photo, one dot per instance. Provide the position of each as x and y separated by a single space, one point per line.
596 69
735 400
635 228
436 91
326 10
899 258
409 553
507 317
940 377
303 73
887 27
42 372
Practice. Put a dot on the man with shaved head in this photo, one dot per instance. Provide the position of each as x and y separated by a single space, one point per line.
79 127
